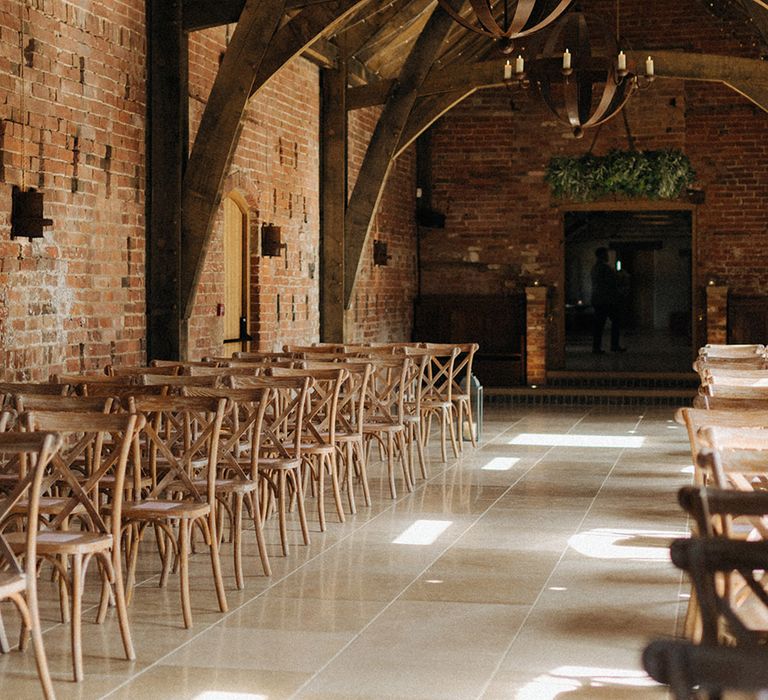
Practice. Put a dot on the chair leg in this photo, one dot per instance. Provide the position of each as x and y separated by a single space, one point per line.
41 660
122 609
443 419
259 529
391 465
281 505
210 526
404 463
321 494
186 607
333 466
237 544
349 475
362 465
76 593
301 506
30 620
472 427
420 452
452 431
460 425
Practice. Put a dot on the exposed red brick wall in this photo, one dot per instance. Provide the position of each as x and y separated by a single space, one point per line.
504 230
276 169
382 308
75 299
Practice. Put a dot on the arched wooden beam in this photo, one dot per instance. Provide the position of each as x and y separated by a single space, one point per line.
426 112
747 76
217 135
381 149
295 36
257 50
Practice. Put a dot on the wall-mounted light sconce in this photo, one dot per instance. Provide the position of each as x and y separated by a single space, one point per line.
27 219
380 256
271 241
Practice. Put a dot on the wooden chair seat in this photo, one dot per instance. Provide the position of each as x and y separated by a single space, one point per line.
63 542
267 464
165 509
10 584
50 505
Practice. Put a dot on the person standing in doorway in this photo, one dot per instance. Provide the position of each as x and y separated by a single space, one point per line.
606 302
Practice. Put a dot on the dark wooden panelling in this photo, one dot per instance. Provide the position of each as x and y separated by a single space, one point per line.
497 323
747 319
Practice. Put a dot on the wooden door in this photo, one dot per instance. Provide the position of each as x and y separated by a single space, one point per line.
235 277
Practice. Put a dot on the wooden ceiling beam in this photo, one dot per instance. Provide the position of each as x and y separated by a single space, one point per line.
381 149
745 75
217 135
300 34
261 44
426 112
204 14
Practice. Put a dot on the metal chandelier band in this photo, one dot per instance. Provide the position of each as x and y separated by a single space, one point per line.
518 18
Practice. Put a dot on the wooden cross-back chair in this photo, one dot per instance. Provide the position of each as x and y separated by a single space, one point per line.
726 396
383 421
281 446
18 582
94 445
462 373
319 448
237 479
9 389
350 417
734 377
181 443
437 395
127 371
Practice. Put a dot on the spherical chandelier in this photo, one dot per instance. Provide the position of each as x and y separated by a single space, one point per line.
507 20
581 74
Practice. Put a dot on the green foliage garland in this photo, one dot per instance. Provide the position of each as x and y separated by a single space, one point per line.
639 174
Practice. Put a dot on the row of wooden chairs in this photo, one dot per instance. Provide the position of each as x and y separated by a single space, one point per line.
180 447
727 618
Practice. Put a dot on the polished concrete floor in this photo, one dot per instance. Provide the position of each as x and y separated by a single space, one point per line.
534 567
646 351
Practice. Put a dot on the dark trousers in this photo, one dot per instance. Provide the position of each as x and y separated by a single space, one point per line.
602 313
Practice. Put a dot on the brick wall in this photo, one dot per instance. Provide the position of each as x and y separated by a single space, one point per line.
503 229
382 307
74 128
276 169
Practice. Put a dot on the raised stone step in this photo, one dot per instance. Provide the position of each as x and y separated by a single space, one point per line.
586 395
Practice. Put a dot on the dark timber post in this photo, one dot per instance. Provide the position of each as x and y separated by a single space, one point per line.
167 142
333 183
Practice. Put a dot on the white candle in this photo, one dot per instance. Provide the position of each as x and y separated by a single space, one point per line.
519 64
507 70
566 59
622 62
649 66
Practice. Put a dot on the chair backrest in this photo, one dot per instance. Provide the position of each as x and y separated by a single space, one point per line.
283 419
439 378
118 371
34 402
174 384
258 356
182 436
734 377
695 419
350 413
93 445
320 415
240 440
729 351
734 455
33 450
9 389
386 390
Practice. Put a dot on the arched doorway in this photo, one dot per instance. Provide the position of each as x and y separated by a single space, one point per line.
236 277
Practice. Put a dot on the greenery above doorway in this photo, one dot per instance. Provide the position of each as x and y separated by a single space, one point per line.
662 174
